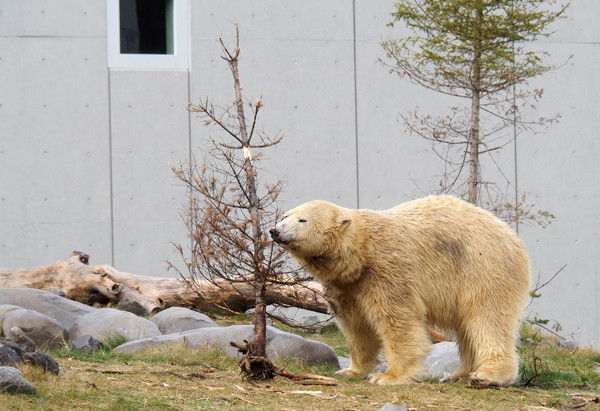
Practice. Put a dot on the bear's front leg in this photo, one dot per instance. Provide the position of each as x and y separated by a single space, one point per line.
363 342
406 346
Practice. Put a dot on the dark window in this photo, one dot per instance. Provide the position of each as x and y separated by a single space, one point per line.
146 26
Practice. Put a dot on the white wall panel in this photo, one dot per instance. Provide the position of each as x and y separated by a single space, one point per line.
274 20
54 156
386 150
301 61
394 165
64 18
560 166
149 131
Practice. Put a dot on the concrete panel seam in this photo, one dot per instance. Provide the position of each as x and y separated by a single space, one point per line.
355 103
110 172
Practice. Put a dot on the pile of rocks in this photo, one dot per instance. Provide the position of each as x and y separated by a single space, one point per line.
18 349
50 321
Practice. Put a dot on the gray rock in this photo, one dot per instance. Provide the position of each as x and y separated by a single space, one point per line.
6 308
136 346
291 345
107 323
58 292
443 360
60 309
133 307
527 341
569 345
13 346
388 406
312 324
8 356
44 331
41 360
86 344
279 343
178 319
12 381
308 320
344 362
17 336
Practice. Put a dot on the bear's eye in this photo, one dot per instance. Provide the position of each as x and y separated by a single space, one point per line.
302 220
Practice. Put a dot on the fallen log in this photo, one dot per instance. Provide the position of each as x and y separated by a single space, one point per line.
102 283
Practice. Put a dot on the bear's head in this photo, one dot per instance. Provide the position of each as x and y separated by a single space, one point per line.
313 229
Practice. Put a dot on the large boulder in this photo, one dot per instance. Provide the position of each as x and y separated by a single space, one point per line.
136 346
60 309
279 343
41 329
5 308
12 381
106 323
178 319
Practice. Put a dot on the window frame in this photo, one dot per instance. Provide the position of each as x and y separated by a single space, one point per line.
180 59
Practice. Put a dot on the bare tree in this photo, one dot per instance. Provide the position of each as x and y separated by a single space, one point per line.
230 213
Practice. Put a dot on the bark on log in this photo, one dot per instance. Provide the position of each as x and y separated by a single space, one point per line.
88 284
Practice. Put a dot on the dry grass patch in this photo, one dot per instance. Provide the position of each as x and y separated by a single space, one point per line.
183 378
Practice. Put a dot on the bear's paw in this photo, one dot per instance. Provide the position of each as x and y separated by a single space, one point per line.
387 379
488 379
348 372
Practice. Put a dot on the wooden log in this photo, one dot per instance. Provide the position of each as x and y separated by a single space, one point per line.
102 283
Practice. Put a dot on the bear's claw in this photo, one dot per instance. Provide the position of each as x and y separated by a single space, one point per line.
385 379
347 372
475 379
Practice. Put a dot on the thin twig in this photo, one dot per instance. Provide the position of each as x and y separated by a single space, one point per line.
552 278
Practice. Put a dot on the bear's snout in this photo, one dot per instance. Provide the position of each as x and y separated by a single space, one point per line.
275 234
279 237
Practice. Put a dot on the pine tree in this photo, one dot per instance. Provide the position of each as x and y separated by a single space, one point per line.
476 50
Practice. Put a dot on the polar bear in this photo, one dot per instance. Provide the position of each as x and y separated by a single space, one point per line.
391 275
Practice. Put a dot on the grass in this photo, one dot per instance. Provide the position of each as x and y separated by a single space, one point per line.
183 378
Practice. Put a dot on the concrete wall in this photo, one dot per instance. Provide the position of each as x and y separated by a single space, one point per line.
85 150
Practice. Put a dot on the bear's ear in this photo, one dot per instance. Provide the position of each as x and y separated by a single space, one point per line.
344 221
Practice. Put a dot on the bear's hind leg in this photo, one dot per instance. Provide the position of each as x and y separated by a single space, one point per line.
491 353
496 369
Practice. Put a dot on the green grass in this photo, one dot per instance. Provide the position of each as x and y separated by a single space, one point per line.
183 378
546 365
98 356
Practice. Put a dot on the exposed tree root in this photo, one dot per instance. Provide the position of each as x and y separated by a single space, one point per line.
260 368
254 367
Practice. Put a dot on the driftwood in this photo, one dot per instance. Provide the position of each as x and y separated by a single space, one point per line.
102 283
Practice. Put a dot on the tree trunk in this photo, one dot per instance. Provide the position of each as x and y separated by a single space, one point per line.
259 342
474 132
102 283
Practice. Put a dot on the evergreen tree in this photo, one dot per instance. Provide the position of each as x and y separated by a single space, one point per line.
476 50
